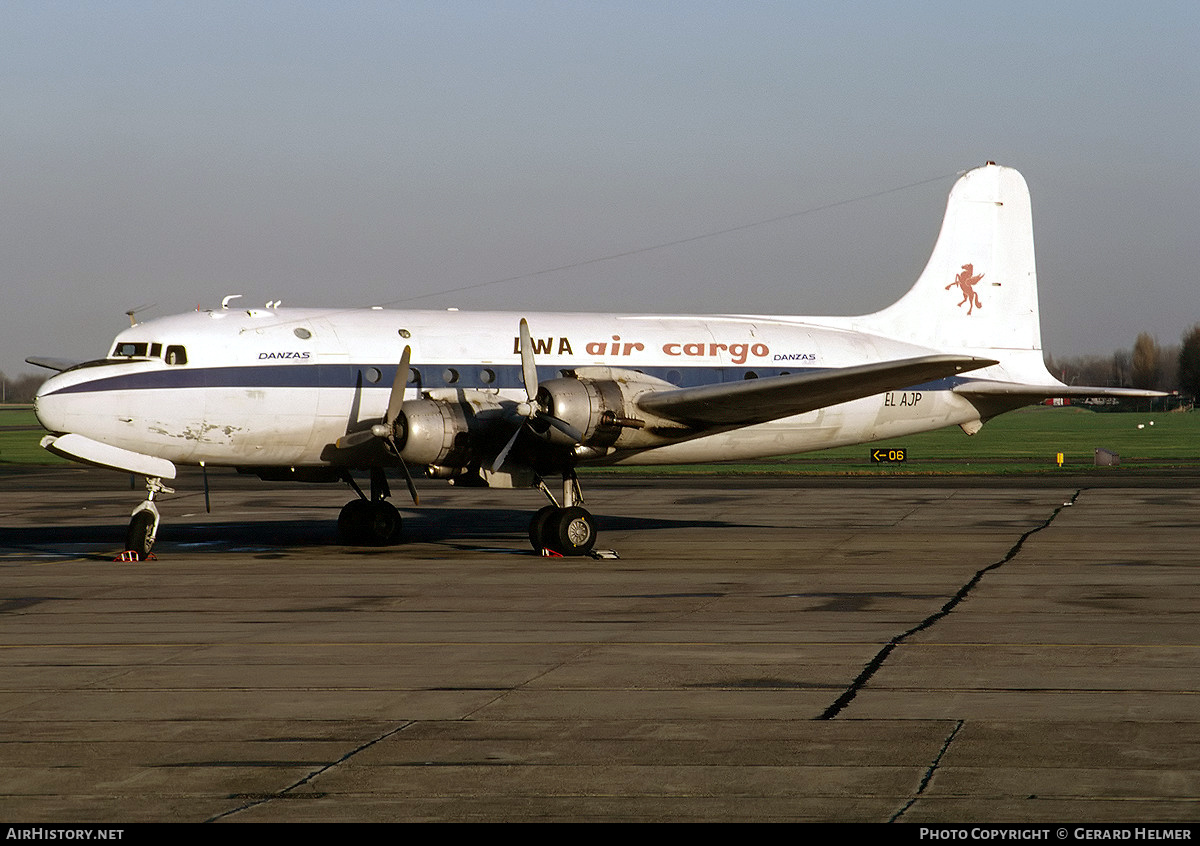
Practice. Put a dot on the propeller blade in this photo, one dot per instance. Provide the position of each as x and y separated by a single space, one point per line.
354 439
499 462
408 480
396 398
563 426
528 368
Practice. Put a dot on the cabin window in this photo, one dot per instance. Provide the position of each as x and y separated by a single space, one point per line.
487 376
175 355
449 375
373 374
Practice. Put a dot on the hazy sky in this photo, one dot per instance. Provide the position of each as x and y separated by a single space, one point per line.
355 153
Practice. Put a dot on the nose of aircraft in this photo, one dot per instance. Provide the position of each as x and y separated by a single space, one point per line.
50 406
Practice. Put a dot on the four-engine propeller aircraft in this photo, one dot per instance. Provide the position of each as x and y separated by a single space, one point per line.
509 400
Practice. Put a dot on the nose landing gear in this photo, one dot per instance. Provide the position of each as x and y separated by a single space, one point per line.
143 526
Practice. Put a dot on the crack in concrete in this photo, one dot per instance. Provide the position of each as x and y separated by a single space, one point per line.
929 771
875 663
285 793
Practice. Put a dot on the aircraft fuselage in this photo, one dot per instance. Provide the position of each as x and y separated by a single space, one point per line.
277 387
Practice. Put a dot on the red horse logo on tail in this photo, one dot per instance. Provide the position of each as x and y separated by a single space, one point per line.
965 281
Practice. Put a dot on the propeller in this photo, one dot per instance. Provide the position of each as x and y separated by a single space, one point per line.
386 429
531 408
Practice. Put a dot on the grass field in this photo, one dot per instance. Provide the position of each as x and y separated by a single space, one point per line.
19 436
1023 441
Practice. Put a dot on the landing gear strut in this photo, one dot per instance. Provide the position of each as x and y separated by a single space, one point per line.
567 529
370 522
143 526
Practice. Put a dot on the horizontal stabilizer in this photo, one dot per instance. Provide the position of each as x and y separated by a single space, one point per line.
734 404
79 448
1034 392
57 364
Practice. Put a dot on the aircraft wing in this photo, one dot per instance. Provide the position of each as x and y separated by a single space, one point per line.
58 364
735 404
1033 393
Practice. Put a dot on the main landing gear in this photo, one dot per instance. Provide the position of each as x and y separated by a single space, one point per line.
143 526
370 522
567 529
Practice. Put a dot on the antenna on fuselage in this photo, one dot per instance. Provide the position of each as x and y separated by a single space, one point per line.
225 302
135 310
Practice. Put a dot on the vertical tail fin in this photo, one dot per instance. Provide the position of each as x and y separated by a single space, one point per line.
978 296
979 289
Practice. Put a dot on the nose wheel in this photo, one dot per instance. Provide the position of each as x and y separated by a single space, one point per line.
140 536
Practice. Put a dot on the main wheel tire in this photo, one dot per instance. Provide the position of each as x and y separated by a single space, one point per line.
383 524
140 535
363 523
352 521
538 535
572 531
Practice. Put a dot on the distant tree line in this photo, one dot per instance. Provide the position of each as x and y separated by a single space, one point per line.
1148 365
20 388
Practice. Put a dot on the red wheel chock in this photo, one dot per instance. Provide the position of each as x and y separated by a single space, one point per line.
131 555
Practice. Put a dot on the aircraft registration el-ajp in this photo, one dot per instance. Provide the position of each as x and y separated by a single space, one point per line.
512 400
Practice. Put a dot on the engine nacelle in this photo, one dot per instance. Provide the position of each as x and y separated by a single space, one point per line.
433 432
600 403
581 403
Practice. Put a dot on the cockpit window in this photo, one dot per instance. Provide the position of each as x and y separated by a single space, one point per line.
129 350
175 354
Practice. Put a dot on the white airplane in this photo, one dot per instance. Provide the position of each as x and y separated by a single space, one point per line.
496 399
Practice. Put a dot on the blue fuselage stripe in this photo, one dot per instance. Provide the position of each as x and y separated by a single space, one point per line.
468 376
351 375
